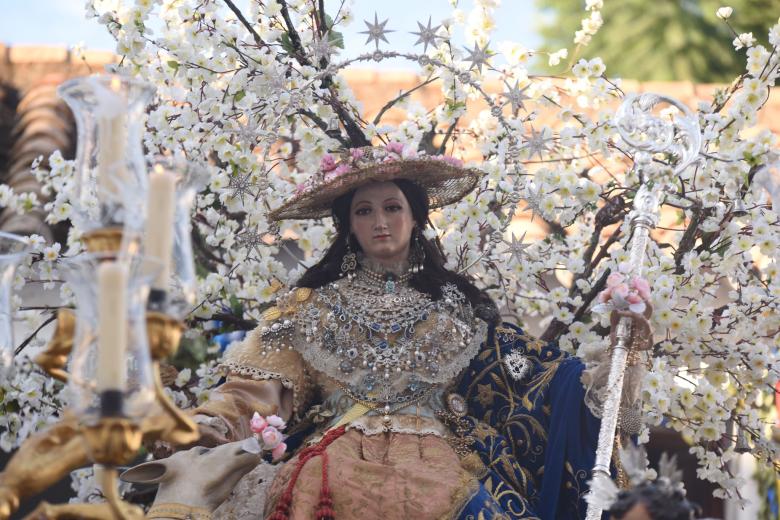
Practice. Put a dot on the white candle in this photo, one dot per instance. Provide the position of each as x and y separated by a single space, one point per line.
112 136
159 222
112 326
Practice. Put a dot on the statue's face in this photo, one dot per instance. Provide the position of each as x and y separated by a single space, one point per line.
382 222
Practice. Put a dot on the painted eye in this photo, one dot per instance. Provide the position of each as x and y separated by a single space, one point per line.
393 208
362 211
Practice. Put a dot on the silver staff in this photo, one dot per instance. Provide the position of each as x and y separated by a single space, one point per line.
655 138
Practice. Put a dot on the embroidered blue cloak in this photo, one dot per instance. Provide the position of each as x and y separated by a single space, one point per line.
536 436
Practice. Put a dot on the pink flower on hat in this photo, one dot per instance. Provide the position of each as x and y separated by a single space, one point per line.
327 163
356 154
395 147
337 172
452 161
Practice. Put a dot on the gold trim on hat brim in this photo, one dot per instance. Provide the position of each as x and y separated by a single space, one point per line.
443 182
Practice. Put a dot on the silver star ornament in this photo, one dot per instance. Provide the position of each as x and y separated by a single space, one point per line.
250 239
426 35
376 31
536 144
478 56
241 186
516 95
517 248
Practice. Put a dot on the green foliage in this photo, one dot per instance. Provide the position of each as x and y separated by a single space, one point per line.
662 40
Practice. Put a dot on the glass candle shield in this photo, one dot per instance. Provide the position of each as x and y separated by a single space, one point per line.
110 175
137 380
13 249
182 286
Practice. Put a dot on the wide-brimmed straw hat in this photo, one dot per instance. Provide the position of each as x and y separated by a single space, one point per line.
443 178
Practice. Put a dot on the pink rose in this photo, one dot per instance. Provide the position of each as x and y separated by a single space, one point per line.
327 163
342 169
453 161
395 147
356 154
271 437
300 188
615 279
633 298
278 452
276 421
337 172
605 295
641 286
257 424
620 291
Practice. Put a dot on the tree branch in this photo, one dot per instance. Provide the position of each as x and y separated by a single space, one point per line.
443 146
295 39
322 125
245 22
392 102
29 338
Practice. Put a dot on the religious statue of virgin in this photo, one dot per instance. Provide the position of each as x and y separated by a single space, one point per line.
405 394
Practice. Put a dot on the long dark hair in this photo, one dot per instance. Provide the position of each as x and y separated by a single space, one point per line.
430 280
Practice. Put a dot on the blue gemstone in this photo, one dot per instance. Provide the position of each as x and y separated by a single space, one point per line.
382 344
424 316
376 327
395 327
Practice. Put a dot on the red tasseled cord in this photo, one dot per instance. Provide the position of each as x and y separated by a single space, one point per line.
325 505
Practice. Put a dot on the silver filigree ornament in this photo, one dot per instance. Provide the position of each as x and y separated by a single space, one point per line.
376 31
517 365
649 134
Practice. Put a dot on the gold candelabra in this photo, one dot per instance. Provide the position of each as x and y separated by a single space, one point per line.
110 415
111 441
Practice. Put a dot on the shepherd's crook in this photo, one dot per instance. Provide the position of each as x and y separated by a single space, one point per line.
676 141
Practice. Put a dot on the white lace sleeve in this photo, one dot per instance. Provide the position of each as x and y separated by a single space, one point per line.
594 381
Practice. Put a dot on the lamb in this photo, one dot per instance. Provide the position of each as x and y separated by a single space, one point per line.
195 481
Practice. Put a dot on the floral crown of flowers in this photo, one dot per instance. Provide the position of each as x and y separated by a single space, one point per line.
334 165
443 177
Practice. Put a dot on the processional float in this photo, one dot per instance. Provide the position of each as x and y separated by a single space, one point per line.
129 308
